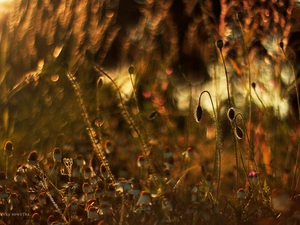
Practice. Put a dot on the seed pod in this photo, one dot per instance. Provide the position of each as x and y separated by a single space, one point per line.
231 114
33 158
240 16
253 85
153 115
219 44
8 149
198 113
281 44
239 133
99 82
131 70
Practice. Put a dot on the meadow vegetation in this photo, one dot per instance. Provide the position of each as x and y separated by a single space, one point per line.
150 112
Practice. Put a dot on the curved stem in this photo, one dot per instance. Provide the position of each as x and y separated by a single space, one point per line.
251 147
227 79
218 161
250 86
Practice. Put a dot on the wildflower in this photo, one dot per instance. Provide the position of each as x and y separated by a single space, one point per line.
87 173
103 171
190 210
280 200
109 149
104 210
167 152
33 158
111 191
123 186
19 177
169 163
94 180
8 149
188 154
73 204
99 193
145 199
56 155
13 199
42 199
36 218
79 160
253 178
92 212
198 192
86 187
167 205
141 162
241 193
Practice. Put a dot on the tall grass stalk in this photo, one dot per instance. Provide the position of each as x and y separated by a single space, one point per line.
130 71
92 134
124 109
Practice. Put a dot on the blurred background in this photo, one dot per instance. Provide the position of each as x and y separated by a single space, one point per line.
170 44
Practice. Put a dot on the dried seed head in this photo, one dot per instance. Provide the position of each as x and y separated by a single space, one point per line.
100 82
56 155
131 70
231 114
153 115
239 133
253 85
33 156
240 16
198 113
281 44
8 149
219 44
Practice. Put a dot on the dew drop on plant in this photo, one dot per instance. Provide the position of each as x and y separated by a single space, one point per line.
198 113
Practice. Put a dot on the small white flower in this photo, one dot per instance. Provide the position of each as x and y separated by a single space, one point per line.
144 199
241 194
